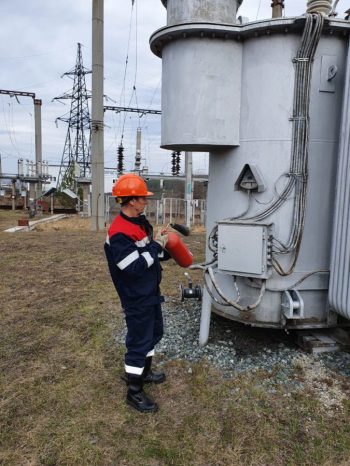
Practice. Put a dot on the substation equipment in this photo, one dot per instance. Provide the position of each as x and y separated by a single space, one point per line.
269 100
33 173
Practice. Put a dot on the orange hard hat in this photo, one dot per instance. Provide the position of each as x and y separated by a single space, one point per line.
130 185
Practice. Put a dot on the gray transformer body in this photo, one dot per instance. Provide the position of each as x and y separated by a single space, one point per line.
228 89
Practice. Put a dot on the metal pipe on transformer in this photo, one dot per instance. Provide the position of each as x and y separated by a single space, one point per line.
205 317
188 188
97 140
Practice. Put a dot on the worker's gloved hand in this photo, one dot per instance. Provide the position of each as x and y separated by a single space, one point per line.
161 237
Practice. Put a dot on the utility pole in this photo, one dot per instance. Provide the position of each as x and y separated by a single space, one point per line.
97 142
38 146
13 195
188 188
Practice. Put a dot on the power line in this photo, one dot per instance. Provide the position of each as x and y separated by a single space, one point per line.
151 102
122 93
257 13
34 55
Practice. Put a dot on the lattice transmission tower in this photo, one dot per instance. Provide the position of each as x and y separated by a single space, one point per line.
77 147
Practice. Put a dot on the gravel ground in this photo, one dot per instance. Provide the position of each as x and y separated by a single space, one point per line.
235 348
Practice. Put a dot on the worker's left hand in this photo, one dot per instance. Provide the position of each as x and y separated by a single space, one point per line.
161 237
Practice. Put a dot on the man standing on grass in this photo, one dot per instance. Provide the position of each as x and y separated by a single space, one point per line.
134 257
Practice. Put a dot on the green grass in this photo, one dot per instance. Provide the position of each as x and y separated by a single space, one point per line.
62 398
9 218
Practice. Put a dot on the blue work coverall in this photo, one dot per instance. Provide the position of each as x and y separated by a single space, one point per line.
134 263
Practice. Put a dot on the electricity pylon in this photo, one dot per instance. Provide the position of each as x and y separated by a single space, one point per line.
76 155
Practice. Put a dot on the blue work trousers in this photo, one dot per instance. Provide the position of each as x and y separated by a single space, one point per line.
144 331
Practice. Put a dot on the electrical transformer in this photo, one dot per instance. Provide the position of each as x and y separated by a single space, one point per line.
269 100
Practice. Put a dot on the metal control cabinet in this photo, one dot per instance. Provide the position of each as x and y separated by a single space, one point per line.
244 249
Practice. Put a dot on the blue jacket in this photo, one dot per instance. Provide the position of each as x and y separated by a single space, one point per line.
134 261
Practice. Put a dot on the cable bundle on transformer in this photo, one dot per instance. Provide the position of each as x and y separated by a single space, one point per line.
297 175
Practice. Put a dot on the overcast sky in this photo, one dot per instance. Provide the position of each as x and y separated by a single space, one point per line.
38 43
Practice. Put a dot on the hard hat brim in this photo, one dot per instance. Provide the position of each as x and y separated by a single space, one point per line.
149 193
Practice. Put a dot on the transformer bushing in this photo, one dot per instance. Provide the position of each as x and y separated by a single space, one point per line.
206 11
322 6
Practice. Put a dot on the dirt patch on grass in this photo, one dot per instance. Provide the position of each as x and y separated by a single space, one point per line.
329 390
72 223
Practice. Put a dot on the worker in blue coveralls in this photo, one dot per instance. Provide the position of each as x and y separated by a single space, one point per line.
134 257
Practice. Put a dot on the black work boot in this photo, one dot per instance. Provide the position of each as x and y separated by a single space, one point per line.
136 397
152 377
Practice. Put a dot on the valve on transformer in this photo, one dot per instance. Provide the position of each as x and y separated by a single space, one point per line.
190 292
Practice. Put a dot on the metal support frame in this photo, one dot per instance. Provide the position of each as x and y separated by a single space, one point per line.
38 132
141 111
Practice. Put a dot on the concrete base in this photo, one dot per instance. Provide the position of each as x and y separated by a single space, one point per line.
32 224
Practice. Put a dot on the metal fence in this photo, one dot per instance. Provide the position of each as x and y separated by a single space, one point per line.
163 211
